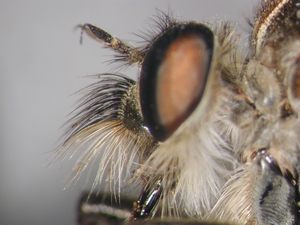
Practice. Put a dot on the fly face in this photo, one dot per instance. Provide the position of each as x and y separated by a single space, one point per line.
215 130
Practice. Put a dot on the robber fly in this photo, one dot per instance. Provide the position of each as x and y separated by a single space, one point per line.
209 130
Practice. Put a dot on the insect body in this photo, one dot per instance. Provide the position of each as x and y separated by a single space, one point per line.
215 129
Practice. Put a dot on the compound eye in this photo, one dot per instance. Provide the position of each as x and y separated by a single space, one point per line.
173 77
296 84
294 81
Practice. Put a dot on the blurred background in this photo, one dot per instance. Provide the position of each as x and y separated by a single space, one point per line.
41 65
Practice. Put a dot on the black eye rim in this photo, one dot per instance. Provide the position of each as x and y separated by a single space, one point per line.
151 65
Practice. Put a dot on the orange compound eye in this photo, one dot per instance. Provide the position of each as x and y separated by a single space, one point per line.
173 77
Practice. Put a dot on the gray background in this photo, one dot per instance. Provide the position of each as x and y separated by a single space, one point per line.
41 65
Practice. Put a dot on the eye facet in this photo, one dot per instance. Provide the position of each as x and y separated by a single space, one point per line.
173 77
